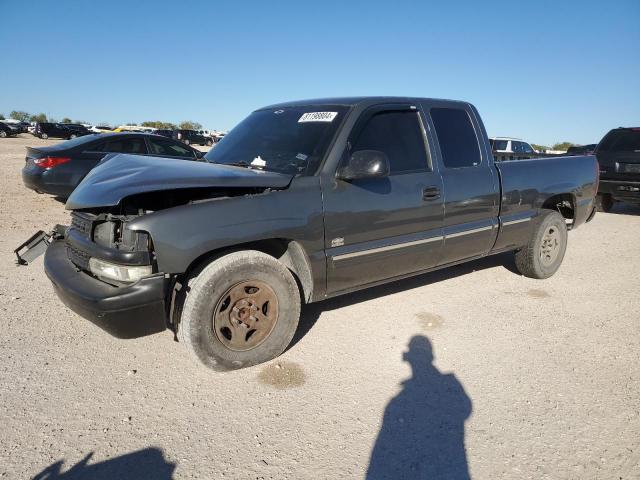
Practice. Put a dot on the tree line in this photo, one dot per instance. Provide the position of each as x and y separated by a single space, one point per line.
41 117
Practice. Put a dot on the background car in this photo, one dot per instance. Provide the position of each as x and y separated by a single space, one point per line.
507 148
60 130
165 133
8 130
100 129
193 137
618 155
582 149
58 169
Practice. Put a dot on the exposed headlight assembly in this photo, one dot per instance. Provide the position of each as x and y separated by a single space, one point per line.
119 273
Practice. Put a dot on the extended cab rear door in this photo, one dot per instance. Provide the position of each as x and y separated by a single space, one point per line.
380 228
470 181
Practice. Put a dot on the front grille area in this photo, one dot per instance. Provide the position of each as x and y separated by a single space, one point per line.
78 257
82 222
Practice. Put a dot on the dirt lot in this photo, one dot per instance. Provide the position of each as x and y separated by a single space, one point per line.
535 379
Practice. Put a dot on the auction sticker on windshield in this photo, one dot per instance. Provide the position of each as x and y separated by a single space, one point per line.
317 117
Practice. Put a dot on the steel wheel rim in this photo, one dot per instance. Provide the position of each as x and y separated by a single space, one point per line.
245 315
550 246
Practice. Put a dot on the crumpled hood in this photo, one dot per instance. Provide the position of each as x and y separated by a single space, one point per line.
125 175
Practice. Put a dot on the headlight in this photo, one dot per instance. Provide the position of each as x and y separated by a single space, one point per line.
121 273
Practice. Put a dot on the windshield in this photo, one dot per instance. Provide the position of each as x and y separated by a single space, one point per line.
286 140
622 140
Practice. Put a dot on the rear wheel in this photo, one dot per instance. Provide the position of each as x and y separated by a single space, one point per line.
44 136
240 310
186 141
209 143
72 136
604 202
544 253
3 134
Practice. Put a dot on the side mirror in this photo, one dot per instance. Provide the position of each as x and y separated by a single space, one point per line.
365 164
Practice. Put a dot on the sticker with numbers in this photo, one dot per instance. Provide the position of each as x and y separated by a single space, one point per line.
317 117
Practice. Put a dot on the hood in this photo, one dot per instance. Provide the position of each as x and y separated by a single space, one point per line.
125 175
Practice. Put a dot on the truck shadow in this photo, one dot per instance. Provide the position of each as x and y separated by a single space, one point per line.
623 208
146 463
311 312
422 432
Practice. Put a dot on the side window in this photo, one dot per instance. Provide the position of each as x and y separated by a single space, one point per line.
169 149
516 147
457 138
399 136
126 145
526 148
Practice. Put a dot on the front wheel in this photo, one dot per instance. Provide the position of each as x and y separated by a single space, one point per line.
209 143
72 136
44 136
544 253
240 310
187 142
3 134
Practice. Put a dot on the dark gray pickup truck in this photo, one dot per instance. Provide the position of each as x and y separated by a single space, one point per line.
300 202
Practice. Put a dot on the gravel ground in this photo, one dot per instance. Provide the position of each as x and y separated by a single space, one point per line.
530 379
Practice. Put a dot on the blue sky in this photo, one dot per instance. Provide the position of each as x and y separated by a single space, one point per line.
545 71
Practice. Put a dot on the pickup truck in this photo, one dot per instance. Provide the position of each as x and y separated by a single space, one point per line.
300 202
618 155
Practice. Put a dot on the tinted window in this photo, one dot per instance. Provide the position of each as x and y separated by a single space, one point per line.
290 140
623 140
499 144
399 136
517 147
126 145
456 136
526 148
169 148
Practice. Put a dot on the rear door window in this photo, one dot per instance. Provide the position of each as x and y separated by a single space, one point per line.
627 140
126 145
457 137
169 148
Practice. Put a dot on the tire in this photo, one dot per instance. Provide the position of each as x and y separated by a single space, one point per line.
72 136
3 134
187 142
222 293
544 253
604 202
44 136
209 143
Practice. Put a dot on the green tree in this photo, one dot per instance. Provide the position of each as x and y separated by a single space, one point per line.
18 115
1 116
562 146
41 117
159 124
539 148
66 120
189 125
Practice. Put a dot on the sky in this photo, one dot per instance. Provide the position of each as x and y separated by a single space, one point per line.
545 71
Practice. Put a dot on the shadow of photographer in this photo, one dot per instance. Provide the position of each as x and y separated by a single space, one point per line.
146 463
422 434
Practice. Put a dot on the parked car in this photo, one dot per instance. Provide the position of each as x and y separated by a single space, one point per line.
101 129
302 201
8 130
619 158
58 169
582 149
165 133
46 130
193 137
507 148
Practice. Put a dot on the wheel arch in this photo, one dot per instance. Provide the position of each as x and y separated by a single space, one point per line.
289 252
564 204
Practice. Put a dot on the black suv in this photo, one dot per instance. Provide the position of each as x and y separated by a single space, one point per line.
60 130
6 130
192 137
619 158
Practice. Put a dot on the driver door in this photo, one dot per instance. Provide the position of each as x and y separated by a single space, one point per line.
381 228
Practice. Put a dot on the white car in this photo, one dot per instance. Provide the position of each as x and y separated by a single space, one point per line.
508 148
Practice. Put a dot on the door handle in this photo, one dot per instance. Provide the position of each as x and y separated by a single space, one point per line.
430 193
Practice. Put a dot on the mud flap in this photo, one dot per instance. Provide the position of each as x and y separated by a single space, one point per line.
37 245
